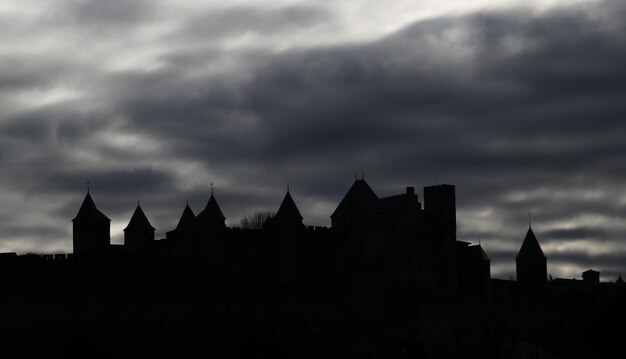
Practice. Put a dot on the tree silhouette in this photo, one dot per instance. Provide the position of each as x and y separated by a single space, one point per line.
256 220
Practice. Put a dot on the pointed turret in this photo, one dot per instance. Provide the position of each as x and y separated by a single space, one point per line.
531 262
88 210
187 227
187 221
288 209
530 247
139 220
91 230
211 216
139 234
285 228
288 213
478 252
619 279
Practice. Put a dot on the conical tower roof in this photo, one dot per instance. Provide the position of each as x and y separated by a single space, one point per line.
139 220
187 220
359 197
288 209
212 210
619 279
88 210
530 247
479 251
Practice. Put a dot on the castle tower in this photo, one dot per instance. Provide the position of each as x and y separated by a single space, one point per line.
211 216
181 237
531 263
440 216
286 233
91 230
288 213
186 226
211 226
139 234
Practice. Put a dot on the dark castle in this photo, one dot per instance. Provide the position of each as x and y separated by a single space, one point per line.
387 278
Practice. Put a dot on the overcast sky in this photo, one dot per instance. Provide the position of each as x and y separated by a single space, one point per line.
520 104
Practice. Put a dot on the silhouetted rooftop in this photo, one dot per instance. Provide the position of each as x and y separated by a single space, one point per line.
88 210
359 197
187 220
288 209
139 220
212 210
530 247
478 250
401 203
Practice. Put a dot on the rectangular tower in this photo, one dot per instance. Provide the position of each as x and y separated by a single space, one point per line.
440 214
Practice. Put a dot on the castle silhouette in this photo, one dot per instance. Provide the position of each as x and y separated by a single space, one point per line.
388 277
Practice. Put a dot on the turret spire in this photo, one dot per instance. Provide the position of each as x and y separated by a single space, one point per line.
139 220
288 209
531 262
211 210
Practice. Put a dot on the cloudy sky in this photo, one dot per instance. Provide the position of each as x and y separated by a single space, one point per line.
520 104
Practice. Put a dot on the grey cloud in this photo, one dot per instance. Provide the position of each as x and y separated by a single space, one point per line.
18 73
223 22
108 14
329 101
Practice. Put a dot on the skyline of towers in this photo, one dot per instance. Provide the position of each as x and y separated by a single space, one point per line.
360 212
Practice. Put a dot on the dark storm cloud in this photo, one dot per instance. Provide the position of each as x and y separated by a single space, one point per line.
355 99
528 110
521 111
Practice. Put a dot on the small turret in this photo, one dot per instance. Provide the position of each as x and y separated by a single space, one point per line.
211 216
91 229
184 233
531 263
187 221
591 276
288 213
139 234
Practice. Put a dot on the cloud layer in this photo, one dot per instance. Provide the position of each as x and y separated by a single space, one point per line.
522 109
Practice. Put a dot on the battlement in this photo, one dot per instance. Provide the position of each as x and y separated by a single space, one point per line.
46 258
317 228
12 257
239 229
253 230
